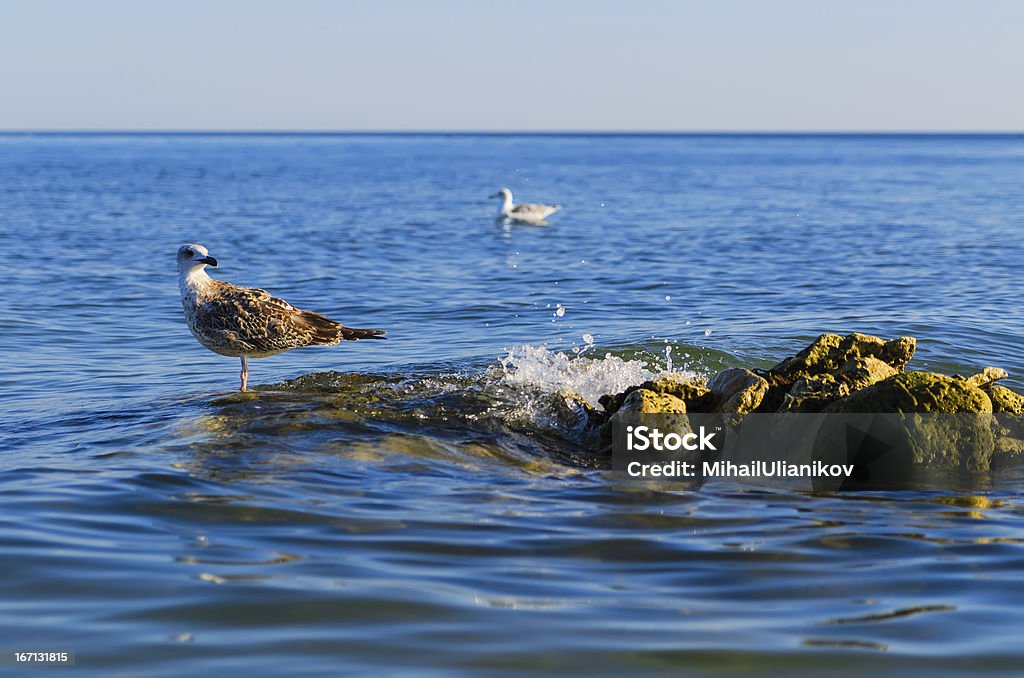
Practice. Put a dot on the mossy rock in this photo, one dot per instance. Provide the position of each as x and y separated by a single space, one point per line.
640 406
987 377
693 392
645 401
830 352
737 392
1004 400
814 393
686 389
1008 452
916 392
859 373
856 374
831 368
734 380
954 432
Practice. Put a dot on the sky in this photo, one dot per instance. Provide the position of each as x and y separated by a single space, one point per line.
641 65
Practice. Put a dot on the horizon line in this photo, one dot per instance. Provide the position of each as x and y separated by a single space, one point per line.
509 132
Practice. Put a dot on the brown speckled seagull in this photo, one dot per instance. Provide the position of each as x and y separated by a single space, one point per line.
246 322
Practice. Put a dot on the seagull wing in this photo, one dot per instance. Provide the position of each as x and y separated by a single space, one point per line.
255 318
533 210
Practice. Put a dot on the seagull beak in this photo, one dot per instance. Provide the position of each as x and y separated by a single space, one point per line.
209 260
496 195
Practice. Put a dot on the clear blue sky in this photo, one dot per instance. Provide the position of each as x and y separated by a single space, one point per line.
515 65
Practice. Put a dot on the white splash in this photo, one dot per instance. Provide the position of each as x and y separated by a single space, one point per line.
545 372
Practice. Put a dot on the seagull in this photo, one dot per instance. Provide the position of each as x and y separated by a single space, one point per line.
246 322
531 213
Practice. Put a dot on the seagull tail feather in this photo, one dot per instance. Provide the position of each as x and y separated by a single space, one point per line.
326 332
355 334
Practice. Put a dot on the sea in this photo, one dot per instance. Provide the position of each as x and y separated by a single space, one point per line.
417 506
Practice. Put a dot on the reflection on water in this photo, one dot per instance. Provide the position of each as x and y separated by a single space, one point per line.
895 614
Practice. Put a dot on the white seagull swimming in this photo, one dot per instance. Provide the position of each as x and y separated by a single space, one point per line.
246 322
531 213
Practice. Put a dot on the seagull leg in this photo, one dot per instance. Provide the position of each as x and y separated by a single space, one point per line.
245 372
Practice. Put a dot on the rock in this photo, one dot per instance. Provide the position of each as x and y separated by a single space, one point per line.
1008 452
916 392
693 391
987 377
737 391
948 438
831 368
611 402
1004 400
938 424
1010 446
686 389
830 352
860 373
1009 411
576 415
644 401
812 360
641 403
813 393
898 352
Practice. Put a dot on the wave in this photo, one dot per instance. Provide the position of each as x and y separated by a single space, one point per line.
524 409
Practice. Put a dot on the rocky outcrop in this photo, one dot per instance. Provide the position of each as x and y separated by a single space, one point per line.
854 375
833 367
830 351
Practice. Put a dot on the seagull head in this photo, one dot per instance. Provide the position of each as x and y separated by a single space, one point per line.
503 193
191 256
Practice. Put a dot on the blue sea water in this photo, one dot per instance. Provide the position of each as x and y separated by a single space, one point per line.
409 506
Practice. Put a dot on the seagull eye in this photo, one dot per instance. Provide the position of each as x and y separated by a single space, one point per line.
189 253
